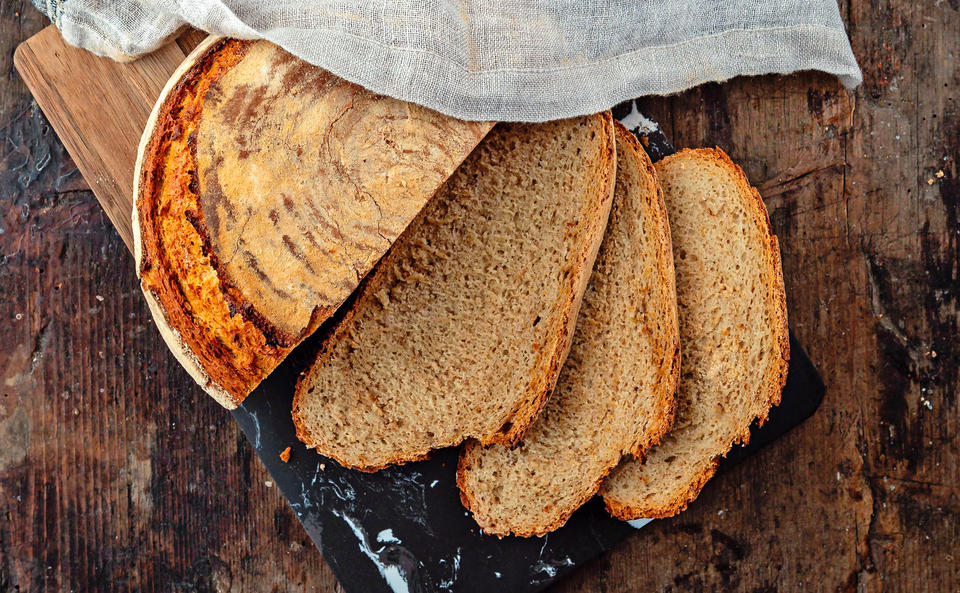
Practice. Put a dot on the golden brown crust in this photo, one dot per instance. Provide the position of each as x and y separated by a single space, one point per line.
775 375
541 385
260 202
177 269
628 512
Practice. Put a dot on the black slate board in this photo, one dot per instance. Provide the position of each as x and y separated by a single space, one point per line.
403 529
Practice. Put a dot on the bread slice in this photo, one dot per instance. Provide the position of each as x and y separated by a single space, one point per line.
615 394
462 328
733 332
266 188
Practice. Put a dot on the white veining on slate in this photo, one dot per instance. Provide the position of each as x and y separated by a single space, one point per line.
635 121
256 425
546 568
411 487
455 570
386 537
395 574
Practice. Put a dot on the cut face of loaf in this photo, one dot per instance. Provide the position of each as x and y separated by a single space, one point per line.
615 394
462 328
733 332
266 188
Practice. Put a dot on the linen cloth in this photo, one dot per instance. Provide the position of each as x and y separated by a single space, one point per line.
519 60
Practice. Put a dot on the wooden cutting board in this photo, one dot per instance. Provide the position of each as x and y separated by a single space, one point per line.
99 108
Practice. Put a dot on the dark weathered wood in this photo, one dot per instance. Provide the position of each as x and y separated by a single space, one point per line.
863 497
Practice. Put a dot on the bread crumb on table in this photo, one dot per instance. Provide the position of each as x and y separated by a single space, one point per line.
285 455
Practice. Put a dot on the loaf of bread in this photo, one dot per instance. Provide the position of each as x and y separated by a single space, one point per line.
615 394
461 330
266 188
733 332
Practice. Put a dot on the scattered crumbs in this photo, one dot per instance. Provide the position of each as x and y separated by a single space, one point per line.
295 546
268 484
496 574
76 412
323 466
720 513
285 455
18 316
99 298
838 476
933 354
930 181
939 174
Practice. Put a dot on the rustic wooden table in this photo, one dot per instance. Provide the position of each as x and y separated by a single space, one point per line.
117 474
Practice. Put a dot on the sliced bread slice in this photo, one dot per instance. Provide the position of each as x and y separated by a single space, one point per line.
615 394
461 330
733 332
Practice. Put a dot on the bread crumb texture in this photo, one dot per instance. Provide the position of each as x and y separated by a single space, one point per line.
266 189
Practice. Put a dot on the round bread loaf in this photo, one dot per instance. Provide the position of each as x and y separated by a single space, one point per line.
265 189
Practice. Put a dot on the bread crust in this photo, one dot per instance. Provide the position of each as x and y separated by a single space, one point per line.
628 512
229 322
540 386
657 209
775 375
165 305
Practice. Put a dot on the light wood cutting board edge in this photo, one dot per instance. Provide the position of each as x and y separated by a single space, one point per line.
98 108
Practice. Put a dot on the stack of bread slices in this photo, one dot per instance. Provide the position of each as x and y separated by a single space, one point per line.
579 320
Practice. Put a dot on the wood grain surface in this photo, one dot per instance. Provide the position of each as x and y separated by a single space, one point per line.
118 474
